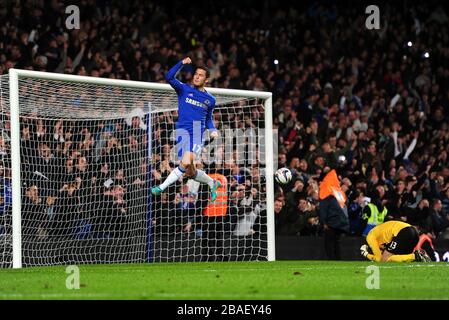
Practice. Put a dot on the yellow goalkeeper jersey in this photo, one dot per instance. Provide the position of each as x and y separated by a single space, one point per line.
385 232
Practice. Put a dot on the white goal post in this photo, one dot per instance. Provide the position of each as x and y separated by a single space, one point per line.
87 108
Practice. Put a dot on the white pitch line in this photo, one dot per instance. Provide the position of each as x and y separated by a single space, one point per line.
150 268
197 296
333 268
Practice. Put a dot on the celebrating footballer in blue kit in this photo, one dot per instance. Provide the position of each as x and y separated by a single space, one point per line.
195 109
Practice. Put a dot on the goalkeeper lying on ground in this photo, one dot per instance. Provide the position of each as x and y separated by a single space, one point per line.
393 241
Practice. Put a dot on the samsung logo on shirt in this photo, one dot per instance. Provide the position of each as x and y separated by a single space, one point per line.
195 103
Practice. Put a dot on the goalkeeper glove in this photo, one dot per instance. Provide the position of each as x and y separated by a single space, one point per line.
364 251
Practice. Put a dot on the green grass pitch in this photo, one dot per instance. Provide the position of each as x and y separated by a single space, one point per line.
280 280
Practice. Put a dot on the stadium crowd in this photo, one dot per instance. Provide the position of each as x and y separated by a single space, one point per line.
374 104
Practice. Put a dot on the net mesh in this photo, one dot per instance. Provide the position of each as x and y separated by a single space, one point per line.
89 157
5 178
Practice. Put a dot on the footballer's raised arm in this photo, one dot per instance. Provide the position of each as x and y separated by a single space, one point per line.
170 76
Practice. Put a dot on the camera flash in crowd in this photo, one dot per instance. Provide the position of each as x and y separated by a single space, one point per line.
426 55
409 43
276 61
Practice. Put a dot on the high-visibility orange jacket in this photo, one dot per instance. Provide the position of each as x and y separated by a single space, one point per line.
220 206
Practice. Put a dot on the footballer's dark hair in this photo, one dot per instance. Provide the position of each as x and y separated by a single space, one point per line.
202 67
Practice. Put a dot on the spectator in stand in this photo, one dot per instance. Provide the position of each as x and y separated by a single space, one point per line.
33 208
5 199
374 212
333 214
419 216
439 221
355 212
279 216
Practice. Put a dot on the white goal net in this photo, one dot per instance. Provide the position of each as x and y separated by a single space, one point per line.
91 149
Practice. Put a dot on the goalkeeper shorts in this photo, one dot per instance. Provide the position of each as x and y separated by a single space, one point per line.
405 241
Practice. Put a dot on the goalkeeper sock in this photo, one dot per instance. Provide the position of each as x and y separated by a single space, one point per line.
202 177
173 177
